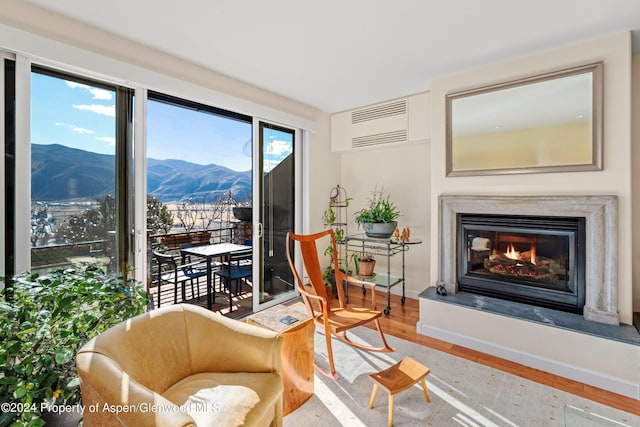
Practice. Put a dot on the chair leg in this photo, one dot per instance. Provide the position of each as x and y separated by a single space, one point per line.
426 392
332 367
373 395
390 409
384 340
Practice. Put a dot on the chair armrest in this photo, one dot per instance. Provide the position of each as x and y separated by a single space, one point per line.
323 303
120 399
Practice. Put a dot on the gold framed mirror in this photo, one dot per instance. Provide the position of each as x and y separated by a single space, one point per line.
544 123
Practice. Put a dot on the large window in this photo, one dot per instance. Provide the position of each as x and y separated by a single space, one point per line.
78 172
199 163
199 175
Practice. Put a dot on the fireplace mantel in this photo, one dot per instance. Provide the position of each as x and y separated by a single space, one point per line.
601 224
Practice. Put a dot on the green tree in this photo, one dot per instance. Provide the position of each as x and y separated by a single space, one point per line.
93 224
159 218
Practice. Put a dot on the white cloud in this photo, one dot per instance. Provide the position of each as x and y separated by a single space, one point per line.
279 148
75 128
100 94
80 130
97 93
111 141
107 110
76 85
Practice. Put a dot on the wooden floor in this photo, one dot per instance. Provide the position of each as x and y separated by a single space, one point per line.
402 324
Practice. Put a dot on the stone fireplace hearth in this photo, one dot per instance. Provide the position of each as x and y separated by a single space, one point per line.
600 213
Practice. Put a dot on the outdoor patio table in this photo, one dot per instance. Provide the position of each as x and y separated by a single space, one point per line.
209 252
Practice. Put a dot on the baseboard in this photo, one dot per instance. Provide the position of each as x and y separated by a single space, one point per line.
595 379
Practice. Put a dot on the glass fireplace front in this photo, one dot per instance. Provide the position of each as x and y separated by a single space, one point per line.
530 259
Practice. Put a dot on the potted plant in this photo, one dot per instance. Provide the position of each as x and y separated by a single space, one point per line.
243 211
365 264
379 218
44 320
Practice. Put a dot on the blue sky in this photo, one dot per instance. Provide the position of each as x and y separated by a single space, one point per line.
72 114
83 117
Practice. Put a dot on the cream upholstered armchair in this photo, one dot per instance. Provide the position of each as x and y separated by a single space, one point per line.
181 366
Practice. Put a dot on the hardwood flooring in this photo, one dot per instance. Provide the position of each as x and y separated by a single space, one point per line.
402 324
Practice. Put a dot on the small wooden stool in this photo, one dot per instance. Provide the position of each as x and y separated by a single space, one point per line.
397 378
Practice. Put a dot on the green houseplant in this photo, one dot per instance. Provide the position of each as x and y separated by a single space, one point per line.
44 320
379 218
332 218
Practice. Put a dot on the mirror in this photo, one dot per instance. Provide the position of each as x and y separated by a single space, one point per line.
544 123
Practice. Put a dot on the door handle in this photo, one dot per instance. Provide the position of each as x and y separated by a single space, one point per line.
259 233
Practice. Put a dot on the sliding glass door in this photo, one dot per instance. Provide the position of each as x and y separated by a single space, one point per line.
276 191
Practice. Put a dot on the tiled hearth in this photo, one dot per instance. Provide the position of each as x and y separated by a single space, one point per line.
600 213
555 318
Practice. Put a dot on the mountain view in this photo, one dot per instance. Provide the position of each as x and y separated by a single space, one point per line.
63 173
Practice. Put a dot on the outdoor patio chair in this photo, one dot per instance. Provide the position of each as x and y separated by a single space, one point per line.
172 270
334 320
238 267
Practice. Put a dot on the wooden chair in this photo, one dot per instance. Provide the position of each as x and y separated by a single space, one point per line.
335 321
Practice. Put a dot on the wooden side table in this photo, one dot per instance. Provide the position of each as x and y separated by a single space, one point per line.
397 378
297 351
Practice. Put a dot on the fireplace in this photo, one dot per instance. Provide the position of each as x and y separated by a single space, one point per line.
538 260
600 213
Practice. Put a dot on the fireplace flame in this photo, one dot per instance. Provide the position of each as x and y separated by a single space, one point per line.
511 252
533 254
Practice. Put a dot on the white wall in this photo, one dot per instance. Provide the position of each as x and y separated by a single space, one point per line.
635 179
600 362
403 172
323 171
614 179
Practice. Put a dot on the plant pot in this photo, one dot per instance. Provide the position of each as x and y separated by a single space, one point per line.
243 213
380 230
366 268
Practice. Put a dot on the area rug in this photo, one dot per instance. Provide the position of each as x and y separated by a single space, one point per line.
463 393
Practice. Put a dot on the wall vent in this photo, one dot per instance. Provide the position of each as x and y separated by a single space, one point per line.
379 139
379 111
390 123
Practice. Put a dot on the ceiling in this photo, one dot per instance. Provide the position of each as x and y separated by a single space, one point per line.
336 55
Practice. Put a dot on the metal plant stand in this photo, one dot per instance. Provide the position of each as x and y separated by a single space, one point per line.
389 247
